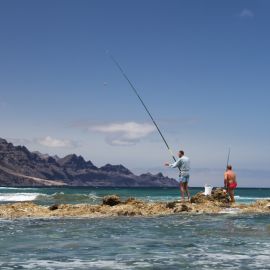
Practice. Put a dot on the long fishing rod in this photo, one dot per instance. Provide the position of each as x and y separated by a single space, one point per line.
135 91
228 158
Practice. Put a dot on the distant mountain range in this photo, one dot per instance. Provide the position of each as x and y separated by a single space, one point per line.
20 167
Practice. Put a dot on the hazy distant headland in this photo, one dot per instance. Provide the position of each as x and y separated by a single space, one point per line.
20 167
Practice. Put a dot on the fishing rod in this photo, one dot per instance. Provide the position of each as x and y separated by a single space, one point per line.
136 93
228 158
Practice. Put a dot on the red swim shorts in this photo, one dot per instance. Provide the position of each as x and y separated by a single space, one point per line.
232 185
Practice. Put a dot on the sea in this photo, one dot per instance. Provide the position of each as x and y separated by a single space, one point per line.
228 240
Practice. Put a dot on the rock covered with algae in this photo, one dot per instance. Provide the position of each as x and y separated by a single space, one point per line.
112 205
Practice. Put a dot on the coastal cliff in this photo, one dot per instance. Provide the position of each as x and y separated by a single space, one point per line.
20 167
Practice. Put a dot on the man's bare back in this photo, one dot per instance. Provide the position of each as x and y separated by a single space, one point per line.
230 182
230 176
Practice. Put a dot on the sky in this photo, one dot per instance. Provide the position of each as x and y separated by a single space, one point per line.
201 67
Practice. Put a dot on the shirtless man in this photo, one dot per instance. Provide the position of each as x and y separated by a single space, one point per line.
230 182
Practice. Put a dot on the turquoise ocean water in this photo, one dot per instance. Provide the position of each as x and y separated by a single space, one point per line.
74 195
182 241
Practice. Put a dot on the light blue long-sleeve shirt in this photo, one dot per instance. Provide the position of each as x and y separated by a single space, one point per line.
183 163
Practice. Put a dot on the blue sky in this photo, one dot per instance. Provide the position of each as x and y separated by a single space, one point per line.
200 66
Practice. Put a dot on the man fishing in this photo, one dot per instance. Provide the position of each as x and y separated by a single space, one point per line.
183 163
230 182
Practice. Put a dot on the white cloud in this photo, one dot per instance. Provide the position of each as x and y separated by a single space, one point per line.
246 13
120 142
124 134
53 142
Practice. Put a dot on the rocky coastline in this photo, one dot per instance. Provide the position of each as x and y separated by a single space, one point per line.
20 167
113 206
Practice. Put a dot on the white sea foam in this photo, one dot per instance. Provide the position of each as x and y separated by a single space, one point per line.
230 211
212 260
72 196
74 264
16 188
18 197
251 198
8 188
94 196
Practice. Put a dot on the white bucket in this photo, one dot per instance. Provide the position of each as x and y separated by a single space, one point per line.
207 190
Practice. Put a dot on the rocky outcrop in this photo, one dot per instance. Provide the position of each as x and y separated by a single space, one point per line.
111 200
113 206
20 167
217 195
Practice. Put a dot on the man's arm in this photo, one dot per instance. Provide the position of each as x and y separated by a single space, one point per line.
175 164
235 178
225 179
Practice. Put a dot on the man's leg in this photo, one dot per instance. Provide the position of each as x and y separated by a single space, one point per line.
186 189
231 193
182 190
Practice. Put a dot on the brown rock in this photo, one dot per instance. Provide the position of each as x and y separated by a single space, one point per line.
130 200
199 198
111 200
171 205
127 213
217 195
54 207
182 208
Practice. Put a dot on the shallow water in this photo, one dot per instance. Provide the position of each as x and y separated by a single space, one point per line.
172 242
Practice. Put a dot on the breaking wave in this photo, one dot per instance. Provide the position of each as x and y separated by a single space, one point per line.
18 197
16 188
59 197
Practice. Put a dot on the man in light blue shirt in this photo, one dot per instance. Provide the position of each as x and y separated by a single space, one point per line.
183 164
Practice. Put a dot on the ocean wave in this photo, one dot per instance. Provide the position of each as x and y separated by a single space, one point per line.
251 198
72 264
16 188
58 197
62 197
18 197
8 188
